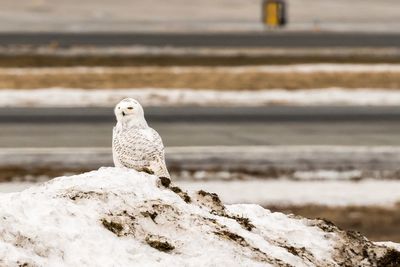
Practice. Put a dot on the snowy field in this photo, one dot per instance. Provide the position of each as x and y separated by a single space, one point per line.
386 53
64 97
295 68
284 192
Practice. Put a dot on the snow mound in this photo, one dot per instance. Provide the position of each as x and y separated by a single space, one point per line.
119 217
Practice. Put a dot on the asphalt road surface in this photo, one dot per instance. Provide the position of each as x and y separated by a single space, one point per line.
207 114
219 40
91 127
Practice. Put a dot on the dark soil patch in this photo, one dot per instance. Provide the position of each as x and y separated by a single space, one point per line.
391 259
218 208
301 252
232 236
214 197
165 181
159 244
244 222
176 189
112 226
150 214
85 195
181 193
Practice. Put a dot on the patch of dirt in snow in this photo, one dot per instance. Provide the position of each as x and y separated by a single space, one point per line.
132 217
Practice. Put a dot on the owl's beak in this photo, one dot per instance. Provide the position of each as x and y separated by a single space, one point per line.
123 113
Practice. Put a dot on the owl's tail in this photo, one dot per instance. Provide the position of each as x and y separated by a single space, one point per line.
160 169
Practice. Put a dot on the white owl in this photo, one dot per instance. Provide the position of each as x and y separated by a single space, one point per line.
135 144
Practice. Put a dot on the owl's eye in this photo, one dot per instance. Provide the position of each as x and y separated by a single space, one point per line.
130 107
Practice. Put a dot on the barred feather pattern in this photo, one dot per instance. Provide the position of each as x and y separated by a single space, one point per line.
140 149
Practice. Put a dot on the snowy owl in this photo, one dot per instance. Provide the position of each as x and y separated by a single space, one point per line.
135 144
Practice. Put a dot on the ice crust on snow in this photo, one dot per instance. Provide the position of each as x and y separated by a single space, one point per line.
119 217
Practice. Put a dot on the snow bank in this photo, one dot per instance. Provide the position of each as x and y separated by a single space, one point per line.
333 193
130 50
389 244
63 97
119 217
295 68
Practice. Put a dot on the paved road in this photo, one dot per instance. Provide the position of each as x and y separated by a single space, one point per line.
91 127
207 114
220 40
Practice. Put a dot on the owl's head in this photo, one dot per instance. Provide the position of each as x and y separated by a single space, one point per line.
128 109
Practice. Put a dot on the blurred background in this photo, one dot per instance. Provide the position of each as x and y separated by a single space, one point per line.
293 105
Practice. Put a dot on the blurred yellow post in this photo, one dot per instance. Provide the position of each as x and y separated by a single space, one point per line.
274 13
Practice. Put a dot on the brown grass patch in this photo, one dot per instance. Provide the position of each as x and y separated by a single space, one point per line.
201 80
376 223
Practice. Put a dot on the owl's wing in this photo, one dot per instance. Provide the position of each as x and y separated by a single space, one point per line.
156 140
158 165
141 147
115 150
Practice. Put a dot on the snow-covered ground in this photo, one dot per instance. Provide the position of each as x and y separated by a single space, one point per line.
119 217
64 97
389 244
384 52
327 175
285 192
295 68
314 175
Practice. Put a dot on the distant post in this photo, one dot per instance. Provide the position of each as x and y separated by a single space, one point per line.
274 13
